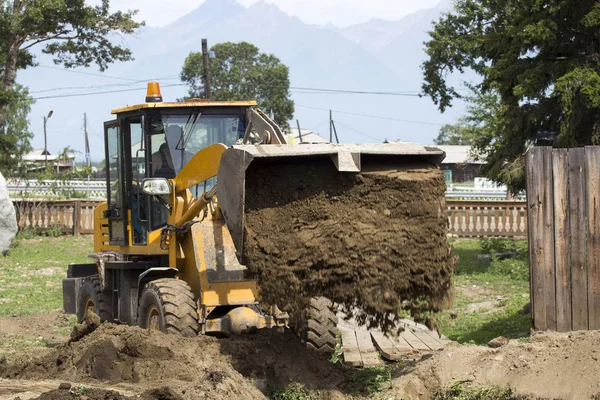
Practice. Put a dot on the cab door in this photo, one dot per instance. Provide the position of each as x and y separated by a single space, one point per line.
116 212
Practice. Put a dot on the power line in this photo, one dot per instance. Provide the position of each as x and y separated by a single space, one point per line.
103 92
371 116
360 133
170 77
87 73
345 91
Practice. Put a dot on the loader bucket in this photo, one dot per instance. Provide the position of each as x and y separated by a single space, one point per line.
346 158
364 225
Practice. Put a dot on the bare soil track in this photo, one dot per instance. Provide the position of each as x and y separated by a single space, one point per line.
120 362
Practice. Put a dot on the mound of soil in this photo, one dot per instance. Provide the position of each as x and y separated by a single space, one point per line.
67 392
193 367
374 242
550 366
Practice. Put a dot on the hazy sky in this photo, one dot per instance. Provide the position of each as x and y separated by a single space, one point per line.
338 12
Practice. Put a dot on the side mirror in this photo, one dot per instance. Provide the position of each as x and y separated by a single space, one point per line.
156 186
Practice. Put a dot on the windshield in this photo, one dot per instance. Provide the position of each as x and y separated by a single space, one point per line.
185 134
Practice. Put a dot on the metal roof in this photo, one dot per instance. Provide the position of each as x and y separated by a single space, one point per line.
458 155
185 104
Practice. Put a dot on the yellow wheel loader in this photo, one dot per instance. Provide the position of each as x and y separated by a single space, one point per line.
168 240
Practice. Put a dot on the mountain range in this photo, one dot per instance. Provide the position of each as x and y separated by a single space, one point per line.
376 56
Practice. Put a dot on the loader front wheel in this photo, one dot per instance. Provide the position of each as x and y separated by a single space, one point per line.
317 325
92 298
168 305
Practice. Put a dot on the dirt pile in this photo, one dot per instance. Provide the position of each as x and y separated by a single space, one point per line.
193 367
550 366
68 392
373 242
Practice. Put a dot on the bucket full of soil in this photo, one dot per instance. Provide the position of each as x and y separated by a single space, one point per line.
373 241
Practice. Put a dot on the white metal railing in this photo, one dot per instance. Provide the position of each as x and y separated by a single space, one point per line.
96 189
33 188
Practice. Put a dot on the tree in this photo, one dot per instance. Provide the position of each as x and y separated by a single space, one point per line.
240 72
541 59
15 137
454 134
74 33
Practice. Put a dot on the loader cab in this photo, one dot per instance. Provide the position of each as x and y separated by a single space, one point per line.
157 139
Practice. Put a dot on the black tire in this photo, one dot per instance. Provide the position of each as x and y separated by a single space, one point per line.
317 326
91 296
168 305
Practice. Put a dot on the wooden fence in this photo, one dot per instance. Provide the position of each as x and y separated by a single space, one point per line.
563 199
69 216
475 218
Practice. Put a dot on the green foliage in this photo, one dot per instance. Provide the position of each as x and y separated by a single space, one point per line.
494 245
541 61
338 354
454 134
240 72
460 391
15 137
71 31
490 293
79 390
369 381
516 269
295 391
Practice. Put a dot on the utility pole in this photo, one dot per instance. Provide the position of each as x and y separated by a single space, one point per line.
45 139
206 71
335 132
88 161
299 131
330 128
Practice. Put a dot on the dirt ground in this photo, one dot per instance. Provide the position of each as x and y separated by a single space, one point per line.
119 362
374 241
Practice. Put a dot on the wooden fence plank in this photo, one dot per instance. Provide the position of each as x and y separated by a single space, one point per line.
592 167
537 166
577 232
561 239
548 240
77 218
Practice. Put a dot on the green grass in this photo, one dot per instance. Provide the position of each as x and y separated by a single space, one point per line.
16 343
460 391
294 391
32 272
490 293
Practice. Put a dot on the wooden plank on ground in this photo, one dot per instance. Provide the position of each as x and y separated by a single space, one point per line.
560 175
368 352
386 347
428 339
350 349
414 341
592 168
401 344
578 233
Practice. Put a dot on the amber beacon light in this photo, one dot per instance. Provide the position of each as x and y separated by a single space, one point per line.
153 93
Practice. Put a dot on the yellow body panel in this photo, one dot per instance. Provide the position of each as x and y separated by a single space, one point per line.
101 242
203 165
200 253
186 104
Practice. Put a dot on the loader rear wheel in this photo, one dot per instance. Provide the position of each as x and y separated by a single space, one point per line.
317 325
168 305
92 298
